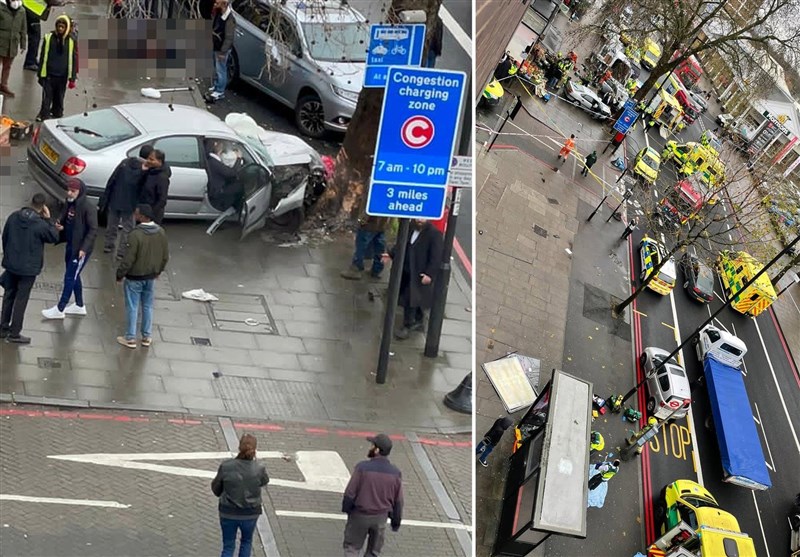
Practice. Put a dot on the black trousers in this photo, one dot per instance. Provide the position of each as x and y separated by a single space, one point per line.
34 31
15 299
412 316
53 91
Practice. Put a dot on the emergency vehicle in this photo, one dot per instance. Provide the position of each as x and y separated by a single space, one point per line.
647 164
683 202
694 157
694 525
665 110
651 253
735 269
688 71
651 53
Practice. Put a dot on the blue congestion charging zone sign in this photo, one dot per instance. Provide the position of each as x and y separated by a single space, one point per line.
416 140
392 45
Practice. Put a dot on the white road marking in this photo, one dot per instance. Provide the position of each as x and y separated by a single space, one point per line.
331 516
60 501
769 451
730 238
322 470
690 414
461 37
760 524
795 303
777 386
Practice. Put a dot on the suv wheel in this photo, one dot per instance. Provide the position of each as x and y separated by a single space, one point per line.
651 406
289 222
310 116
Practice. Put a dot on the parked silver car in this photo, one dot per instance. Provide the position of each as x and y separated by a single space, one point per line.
90 145
585 98
308 56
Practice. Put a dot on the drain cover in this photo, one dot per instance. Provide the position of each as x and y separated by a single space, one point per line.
242 313
552 201
201 341
48 363
540 231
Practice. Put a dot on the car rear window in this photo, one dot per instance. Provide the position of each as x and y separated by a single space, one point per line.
98 129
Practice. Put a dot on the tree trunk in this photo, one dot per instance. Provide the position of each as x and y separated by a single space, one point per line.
345 197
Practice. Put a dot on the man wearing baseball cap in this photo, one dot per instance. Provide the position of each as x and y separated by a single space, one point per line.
373 494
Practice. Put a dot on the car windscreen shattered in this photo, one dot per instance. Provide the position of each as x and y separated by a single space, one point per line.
337 42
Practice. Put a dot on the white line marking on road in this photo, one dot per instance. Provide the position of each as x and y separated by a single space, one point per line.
744 365
769 451
461 37
795 303
777 386
760 524
60 501
690 417
730 238
331 516
322 470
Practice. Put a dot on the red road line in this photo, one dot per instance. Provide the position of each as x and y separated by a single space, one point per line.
647 488
785 346
317 430
262 427
462 257
184 422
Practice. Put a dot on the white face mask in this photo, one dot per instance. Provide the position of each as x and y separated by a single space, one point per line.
15 4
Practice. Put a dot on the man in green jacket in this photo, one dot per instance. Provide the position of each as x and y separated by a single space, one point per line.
145 259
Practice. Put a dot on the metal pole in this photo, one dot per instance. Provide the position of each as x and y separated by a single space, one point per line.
775 259
391 300
625 197
500 129
442 282
598 206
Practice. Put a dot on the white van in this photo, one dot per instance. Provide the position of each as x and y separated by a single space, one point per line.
720 345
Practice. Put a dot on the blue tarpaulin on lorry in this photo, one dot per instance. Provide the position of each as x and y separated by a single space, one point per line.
739 444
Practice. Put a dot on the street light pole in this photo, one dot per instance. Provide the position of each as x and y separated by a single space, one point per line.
713 316
625 197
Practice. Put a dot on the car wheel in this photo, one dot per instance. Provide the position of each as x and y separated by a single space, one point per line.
651 406
310 116
642 359
289 222
233 67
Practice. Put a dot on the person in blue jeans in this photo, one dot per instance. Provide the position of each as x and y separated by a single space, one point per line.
77 226
145 259
238 485
223 26
491 438
370 240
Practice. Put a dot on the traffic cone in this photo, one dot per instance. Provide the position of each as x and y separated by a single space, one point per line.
460 398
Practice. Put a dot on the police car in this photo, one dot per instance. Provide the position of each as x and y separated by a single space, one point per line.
651 253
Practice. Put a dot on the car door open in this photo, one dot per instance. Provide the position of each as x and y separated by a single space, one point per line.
257 186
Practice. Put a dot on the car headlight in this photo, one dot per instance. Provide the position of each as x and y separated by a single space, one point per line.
345 94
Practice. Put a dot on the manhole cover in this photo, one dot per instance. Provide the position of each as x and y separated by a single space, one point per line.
201 341
552 201
48 363
540 231
242 313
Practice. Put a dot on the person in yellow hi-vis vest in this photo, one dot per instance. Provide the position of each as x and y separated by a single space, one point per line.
58 68
36 11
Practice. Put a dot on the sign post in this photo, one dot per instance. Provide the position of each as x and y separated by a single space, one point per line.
413 154
392 45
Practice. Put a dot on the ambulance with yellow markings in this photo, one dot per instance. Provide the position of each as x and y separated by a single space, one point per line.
651 253
737 268
693 524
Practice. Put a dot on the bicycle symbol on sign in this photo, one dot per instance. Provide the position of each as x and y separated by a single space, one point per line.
399 49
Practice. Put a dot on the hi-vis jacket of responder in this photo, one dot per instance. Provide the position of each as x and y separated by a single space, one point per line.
69 56
36 7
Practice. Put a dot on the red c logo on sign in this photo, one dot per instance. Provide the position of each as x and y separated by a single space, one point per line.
674 403
417 132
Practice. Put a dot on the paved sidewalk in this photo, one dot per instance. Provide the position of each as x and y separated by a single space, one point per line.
164 505
311 354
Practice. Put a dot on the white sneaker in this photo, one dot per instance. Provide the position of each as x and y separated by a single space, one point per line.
74 309
211 89
53 313
217 96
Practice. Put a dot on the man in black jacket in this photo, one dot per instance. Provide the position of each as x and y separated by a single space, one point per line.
155 188
223 27
78 227
24 235
421 265
120 198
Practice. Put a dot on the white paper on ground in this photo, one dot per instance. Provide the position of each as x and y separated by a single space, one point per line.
200 295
